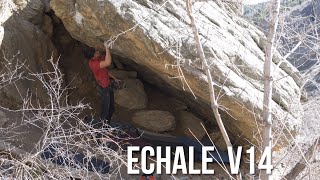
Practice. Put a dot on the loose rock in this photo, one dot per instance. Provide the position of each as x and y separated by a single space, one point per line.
132 96
188 121
154 120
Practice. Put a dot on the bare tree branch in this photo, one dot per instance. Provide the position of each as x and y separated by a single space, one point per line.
213 100
267 99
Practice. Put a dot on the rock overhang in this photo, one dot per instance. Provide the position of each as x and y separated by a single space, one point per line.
157 40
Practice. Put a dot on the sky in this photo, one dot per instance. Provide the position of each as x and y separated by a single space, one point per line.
254 1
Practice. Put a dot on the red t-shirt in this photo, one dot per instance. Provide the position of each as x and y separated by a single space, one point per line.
101 74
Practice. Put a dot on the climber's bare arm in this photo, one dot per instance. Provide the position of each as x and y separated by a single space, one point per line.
107 60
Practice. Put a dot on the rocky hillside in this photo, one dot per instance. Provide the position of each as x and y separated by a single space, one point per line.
300 24
154 39
303 25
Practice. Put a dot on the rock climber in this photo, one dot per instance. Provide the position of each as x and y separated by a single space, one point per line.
99 64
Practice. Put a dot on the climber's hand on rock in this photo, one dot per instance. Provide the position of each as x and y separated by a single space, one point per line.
118 81
106 44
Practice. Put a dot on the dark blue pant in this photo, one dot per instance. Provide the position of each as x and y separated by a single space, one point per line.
107 107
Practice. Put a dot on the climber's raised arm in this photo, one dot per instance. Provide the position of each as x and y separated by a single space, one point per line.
107 59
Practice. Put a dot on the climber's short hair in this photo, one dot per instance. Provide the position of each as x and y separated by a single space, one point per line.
88 52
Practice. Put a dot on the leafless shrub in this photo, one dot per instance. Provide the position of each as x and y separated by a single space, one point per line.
63 134
10 70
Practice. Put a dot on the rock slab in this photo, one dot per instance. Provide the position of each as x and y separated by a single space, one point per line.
154 120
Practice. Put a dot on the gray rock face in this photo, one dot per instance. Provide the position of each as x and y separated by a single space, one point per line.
21 39
301 18
158 43
3 119
154 120
301 21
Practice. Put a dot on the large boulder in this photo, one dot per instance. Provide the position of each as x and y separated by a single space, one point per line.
132 95
23 45
189 122
156 40
154 120
216 137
